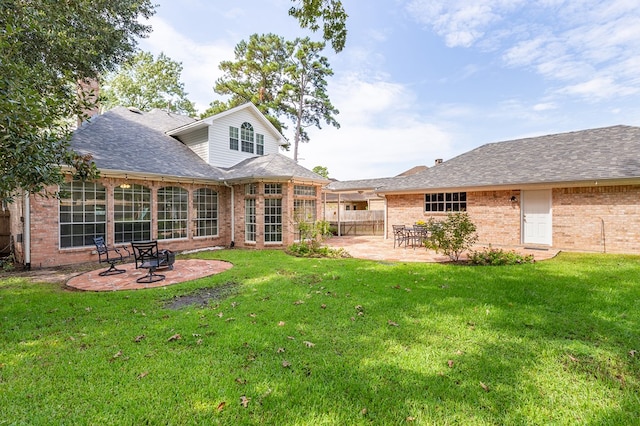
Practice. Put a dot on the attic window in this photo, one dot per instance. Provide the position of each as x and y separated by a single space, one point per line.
246 137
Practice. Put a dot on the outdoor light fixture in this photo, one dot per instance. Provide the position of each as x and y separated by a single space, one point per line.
125 186
513 199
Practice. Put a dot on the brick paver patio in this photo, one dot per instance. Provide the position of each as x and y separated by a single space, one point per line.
183 270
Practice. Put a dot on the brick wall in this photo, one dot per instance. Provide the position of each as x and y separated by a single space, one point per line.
45 246
597 219
600 219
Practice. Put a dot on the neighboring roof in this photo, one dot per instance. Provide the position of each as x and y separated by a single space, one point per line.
272 166
357 185
610 153
413 171
188 127
129 140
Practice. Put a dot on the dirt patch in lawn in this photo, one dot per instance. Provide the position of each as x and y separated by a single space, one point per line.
203 296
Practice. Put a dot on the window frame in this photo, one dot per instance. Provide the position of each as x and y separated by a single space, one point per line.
234 138
273 220
250 220
445 202
259 144
82 214
205 204
140 206
247 139
173 213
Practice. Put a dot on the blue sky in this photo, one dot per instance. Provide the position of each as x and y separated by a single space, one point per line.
426 79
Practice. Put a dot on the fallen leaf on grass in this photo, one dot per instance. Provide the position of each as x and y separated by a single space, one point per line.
309 344
286 364
572 358
485 387
221 406
174 337
143 374
199 342
323 306
139 338
252 315
281 323
364 411
411 419
280 350
450 363
244 401
220 314
633 353
298 302
230 319
391 323
241 381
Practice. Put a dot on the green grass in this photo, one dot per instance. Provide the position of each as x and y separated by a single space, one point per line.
333 342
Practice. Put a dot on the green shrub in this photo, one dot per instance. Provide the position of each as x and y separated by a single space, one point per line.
451 236
312 235
496 257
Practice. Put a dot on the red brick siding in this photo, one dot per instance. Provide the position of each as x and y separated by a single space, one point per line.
597 219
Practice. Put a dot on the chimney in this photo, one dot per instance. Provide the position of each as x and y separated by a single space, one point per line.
88 94
438 161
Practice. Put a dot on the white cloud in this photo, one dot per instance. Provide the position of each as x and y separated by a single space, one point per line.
460 22
380 134
200 61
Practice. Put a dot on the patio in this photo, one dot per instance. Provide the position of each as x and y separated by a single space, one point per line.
183 270
377 248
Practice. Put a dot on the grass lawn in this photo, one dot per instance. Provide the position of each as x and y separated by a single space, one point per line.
290 341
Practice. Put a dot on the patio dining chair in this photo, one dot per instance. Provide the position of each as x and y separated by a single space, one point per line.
400 235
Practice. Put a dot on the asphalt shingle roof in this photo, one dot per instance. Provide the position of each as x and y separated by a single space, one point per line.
272 166
125 140
129 140
595 154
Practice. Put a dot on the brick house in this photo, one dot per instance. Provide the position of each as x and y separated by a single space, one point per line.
575 191
188 183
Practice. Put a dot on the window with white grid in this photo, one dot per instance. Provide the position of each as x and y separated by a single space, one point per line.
205 203
246 137
273 220
250 219
132 213
233 138
173 212
83 213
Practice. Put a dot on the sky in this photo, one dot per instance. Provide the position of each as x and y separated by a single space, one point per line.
421 80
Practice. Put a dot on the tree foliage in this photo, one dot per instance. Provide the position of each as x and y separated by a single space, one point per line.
322 171
46 48
146 83
330 13
284 79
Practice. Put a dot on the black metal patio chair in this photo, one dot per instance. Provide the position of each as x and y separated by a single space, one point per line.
147 256
111 256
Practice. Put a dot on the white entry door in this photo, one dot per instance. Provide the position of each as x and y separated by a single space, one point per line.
536 217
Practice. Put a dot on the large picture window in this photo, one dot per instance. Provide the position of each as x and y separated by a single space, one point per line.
205 202
132 213
250 219
445 202
273 220
246 137
83 213
173 212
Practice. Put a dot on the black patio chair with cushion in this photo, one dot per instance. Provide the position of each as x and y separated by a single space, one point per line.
148 257
111 256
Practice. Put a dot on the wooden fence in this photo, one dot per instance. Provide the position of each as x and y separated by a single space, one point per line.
359 222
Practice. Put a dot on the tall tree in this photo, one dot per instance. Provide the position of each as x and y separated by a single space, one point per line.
332 15
322 171
146 83
46 48
255 76
284 79
304 97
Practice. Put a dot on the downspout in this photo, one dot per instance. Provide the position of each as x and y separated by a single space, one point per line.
26 214
386 213
233 215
